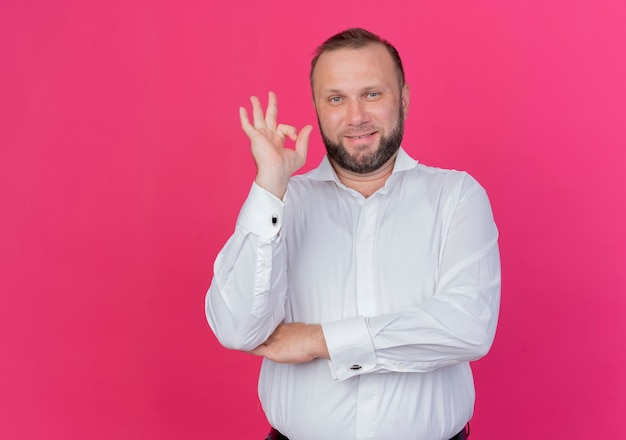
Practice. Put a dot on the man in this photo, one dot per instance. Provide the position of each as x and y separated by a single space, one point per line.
367 284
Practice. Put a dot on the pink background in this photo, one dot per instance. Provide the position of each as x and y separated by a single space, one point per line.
122 169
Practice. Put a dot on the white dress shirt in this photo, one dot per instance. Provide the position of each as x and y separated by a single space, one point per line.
406 285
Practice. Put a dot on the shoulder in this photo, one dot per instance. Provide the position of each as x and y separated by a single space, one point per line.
305 188
444 180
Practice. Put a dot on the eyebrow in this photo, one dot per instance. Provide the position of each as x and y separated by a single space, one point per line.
363 89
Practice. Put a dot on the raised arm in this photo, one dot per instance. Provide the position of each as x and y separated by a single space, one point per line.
245 302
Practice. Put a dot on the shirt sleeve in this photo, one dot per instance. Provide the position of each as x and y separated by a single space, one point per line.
245 301
457 324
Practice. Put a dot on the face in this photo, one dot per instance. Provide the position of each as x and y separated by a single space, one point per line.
360 107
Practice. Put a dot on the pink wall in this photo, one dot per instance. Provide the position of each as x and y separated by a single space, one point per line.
122 168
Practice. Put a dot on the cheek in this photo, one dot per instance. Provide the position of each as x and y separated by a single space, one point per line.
388 112
330 121
388 116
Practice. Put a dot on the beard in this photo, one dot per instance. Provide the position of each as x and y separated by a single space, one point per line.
364 163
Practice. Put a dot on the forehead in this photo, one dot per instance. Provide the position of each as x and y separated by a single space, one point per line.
344 68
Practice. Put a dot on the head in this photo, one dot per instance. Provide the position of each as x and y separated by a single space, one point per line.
360 98
357 38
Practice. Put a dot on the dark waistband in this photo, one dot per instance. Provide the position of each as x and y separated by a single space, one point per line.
276 435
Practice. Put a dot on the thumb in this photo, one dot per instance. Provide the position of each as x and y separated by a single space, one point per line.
302 142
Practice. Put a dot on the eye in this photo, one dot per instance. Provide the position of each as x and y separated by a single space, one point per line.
373 95
335 99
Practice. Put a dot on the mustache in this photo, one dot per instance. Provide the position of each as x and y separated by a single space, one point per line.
359 131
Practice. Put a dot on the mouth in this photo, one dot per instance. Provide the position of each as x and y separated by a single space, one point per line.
359 137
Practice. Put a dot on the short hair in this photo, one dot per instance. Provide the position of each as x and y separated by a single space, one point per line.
357 38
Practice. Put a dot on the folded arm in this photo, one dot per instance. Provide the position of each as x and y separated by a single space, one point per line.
457 324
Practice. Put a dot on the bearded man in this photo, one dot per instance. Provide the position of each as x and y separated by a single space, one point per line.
367 284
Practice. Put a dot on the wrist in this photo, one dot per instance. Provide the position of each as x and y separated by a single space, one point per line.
318 343
273 185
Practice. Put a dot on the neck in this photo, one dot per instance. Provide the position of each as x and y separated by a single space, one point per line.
366 184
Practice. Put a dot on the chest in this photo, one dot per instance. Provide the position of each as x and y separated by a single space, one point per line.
350 257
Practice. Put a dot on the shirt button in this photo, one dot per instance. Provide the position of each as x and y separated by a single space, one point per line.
355 367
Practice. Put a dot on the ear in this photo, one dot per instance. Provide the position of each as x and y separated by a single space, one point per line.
405 99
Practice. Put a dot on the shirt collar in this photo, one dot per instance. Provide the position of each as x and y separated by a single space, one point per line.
326 172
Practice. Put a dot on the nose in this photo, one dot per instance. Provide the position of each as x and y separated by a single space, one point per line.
357 113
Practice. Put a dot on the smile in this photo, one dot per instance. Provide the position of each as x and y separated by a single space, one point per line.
361 136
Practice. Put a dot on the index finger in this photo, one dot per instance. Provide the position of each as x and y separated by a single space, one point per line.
245 121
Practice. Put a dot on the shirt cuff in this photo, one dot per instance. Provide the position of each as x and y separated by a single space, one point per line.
262 213
350 347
